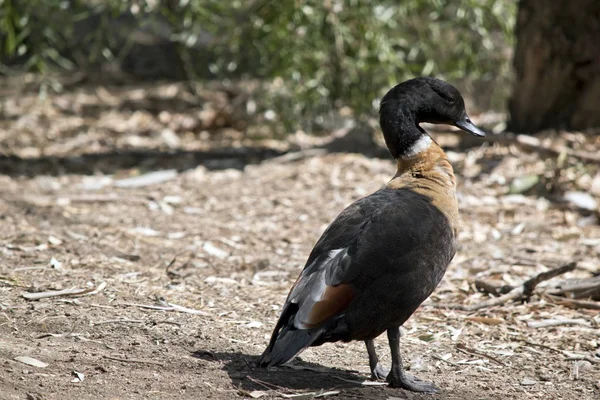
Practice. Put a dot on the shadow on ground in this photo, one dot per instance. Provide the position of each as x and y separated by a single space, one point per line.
356 140
305 376
112 162
300 375
152 159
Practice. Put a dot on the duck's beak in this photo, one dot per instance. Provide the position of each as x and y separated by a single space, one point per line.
466 125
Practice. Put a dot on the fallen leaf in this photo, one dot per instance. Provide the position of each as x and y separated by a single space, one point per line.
31 361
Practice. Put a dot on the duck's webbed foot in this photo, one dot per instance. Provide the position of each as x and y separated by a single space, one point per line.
397 378
412 383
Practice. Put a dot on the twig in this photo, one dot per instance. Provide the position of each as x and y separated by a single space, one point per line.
573 303
133 360
168 307
247 364
530 284
593 360
266 385
32 268
73 292
557 322
55 293
119 321
164 321
446 361
522 292
362 383
297 155
103 198
101 306
170 273
543 346
467 350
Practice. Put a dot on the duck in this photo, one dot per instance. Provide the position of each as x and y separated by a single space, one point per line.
387 252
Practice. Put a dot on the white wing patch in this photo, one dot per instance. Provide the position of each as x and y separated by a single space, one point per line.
331 255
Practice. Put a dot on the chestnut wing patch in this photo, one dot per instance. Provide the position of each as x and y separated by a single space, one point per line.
323 290
335 299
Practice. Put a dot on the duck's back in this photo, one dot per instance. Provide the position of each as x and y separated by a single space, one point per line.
387 228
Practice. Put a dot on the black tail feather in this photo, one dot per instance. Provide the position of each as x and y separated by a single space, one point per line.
287 341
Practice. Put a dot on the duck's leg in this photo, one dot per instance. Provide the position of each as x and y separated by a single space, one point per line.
378 372
397 377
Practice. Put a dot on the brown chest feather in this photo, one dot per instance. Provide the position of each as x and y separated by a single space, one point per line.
430 173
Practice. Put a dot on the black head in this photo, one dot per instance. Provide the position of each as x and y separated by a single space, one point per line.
421 100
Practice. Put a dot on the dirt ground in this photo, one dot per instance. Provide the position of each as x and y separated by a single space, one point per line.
184 278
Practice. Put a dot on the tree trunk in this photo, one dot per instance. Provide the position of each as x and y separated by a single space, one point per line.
557 65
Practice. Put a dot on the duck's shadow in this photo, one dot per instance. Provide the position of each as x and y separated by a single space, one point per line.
298 375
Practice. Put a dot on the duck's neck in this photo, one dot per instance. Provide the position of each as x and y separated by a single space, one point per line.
429 162
402 133
417 154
